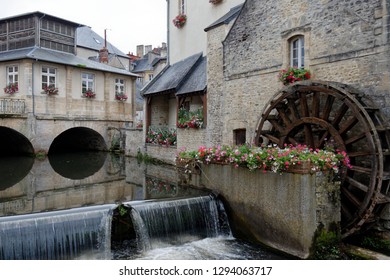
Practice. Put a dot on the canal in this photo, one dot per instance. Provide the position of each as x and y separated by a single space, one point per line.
106 206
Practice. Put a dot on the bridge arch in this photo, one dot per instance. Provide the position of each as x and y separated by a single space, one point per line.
78 139
13 142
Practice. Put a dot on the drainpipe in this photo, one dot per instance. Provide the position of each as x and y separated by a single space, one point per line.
168 43
32 88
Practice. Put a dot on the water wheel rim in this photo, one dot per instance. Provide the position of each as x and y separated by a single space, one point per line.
288 96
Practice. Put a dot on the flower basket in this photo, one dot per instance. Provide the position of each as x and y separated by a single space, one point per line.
50 90
293 74
187 119
180 20
303 167
11 88
89 94
121 96
215 1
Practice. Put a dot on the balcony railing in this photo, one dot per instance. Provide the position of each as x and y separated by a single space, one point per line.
12 106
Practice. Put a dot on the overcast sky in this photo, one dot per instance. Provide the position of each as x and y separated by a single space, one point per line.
128 22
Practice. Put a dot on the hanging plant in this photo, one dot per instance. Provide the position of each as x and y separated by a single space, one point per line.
11 88
180 20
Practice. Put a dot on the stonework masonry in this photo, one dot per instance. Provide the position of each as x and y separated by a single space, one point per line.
345 41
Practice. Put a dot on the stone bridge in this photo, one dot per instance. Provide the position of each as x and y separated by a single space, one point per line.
51 124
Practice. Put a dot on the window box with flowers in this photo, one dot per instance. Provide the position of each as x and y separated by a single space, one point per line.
89 94
161 136
188 119
180 20
11 88
271 158
215 1
120 96
50 90
293 74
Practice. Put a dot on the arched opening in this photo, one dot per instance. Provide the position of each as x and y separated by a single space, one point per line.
78 139
14 143
78 153
16 158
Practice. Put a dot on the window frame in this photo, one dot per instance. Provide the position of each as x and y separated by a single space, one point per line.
87 78
48 75
297 51
182 7
14 74
120 86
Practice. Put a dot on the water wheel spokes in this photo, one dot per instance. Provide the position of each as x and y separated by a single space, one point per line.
320 114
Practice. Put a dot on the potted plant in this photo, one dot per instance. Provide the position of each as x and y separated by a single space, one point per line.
89 94
180 20
50 90
11 88
293 74
120 96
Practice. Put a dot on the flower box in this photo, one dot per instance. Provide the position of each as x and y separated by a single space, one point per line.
293 74
89 94
215 1
11 88
50 90
121 96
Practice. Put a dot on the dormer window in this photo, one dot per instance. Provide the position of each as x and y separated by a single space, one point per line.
297 52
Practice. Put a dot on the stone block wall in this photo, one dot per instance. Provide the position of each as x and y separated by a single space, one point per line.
345 41
190 138
280 211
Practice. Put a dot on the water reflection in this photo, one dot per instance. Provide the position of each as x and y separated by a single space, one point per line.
42 192
13 170
77 165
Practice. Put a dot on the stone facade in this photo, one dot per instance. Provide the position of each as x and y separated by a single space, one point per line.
345 41
282 211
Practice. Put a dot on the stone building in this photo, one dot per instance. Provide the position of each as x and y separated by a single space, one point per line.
346 101
49 90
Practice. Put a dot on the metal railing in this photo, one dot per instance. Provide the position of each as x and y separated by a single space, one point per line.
12 106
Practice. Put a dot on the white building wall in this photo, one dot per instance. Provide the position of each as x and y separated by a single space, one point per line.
191 38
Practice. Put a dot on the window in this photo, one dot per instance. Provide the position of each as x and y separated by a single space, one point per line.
239 136
119 86
48 77
182 7
87 82
140 79
297 52
12 75
150 77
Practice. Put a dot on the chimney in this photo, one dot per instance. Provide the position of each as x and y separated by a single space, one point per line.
148 49
163 52
140 51
103 53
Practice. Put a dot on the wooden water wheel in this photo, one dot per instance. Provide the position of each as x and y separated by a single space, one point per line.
319 113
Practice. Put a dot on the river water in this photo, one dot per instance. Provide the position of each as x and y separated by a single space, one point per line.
63 207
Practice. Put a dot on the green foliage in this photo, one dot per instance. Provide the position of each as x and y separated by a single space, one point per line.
293 74
327 246
161 136
190 119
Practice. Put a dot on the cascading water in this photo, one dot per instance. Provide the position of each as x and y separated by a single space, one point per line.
174 222
69 234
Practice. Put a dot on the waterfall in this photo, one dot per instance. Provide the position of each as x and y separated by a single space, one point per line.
69 234
172 222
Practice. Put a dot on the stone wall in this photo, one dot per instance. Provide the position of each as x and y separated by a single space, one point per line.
345 41
135 142
190 138
280 211
163 153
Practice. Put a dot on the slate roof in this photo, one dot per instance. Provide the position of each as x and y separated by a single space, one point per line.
231 15
48 55
182 77
142 65
89 39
